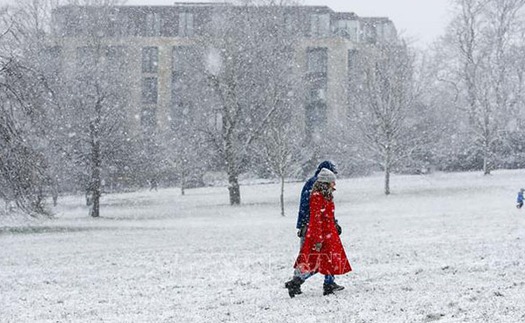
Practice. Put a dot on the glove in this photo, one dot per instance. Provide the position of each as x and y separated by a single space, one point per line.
301 233
338 228
318 246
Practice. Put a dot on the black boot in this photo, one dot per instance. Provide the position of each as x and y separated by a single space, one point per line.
328 289
294 286
331 288
336 287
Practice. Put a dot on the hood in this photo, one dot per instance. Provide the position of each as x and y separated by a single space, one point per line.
328 165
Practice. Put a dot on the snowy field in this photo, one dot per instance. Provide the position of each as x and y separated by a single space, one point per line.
442 247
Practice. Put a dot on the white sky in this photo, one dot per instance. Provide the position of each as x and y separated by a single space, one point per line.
418 20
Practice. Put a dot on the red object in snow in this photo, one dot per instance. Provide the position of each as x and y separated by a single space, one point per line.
331 259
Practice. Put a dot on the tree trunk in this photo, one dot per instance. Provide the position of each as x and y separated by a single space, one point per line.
387 171
235 191
95 210
96 183
387 181
182 182
55 190
233 176
282 195
486 162
38 200
95 171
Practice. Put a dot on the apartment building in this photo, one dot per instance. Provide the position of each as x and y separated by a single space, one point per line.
154 38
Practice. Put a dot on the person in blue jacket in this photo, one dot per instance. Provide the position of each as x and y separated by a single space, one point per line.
304 206
304 217
519 199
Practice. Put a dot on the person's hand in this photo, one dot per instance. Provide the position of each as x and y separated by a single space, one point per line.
301 233
318 246
338 228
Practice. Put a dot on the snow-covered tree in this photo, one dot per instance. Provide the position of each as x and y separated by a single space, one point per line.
478 43
94 102
382 102
97 124
24 115
249 49
186 149
280 153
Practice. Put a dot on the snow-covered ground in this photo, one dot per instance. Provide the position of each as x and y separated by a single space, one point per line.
442 247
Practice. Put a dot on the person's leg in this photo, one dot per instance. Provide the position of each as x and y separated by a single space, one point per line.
305 276
297 272
329 279
294 285
329 286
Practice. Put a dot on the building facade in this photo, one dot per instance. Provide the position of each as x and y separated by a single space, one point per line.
153 39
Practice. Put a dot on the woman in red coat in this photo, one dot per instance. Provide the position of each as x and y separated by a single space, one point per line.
322 251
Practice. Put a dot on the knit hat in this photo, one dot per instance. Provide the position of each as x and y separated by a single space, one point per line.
326 176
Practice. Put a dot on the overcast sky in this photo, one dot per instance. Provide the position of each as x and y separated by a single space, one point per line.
418 20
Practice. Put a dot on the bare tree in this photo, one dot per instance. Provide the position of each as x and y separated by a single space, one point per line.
94 103
23 167
382 104
280 154
248 49
185 146
480 37
27 103
94 107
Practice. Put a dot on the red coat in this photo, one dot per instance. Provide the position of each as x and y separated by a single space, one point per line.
331 260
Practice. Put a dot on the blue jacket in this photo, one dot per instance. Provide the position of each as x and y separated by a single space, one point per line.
520 197
304 206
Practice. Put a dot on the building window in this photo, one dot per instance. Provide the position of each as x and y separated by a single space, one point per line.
177 59
347 29
181 56
215 122
150 59
74 24
149 90
317 60
116 58
370 33
122 25
179 97
148 119
186 24
112 24
352 61
87 57
388 32
320 25
152 24
315 119
51 61
177 87
317 95
289 23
